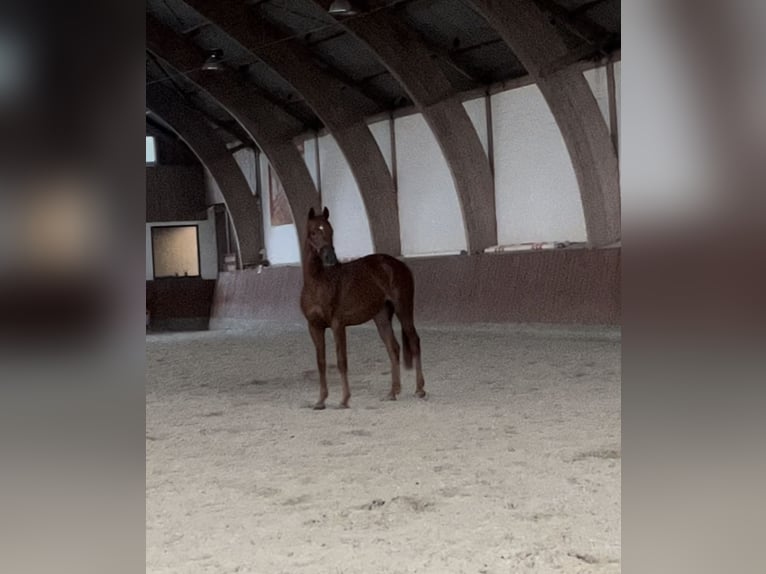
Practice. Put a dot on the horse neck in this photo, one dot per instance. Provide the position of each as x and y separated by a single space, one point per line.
312 264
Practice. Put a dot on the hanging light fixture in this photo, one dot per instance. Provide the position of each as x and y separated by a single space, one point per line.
342 8
213 62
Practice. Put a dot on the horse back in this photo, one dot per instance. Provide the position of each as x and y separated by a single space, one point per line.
387 271
375 279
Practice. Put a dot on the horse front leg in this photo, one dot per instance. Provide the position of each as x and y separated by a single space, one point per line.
339 334
317 335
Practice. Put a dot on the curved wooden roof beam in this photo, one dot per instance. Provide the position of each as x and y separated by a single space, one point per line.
341 108
537 44
194 130
269 125
404 54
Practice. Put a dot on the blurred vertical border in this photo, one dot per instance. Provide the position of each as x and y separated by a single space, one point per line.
693 167
71 286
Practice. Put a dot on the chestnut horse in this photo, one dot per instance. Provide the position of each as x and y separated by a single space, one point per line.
337 295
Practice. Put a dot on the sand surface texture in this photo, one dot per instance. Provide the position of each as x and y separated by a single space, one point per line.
511 464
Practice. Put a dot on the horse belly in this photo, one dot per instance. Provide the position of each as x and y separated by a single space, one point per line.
362 311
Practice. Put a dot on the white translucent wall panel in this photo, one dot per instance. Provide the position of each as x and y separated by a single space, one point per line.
341 196
245 159
309 156
429 213
477 111
381 131
213 193
537 197
281 241
597 80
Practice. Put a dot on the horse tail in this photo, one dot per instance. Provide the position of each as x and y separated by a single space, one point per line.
407 349
404 311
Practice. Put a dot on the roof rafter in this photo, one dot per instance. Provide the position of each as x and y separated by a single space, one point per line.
342 109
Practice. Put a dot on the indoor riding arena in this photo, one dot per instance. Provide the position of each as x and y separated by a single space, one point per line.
472 146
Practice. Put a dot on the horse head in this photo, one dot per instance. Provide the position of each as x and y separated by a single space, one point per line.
319 237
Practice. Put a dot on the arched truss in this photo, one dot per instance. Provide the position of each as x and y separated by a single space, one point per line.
537 44
341 108
401 51
269 126
522 25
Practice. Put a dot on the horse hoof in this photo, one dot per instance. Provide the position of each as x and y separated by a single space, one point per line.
319 407
420 394
343 406
391 397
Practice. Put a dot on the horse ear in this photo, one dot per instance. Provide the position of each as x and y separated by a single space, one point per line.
311 213
326 213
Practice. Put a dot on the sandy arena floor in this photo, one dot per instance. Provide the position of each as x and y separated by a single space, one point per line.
512 463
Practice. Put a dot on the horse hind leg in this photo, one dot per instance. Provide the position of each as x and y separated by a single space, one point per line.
386 332
411 342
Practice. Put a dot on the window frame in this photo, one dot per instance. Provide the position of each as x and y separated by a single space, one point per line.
154 148
199 256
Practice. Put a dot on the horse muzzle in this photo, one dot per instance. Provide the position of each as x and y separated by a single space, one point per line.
328 256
